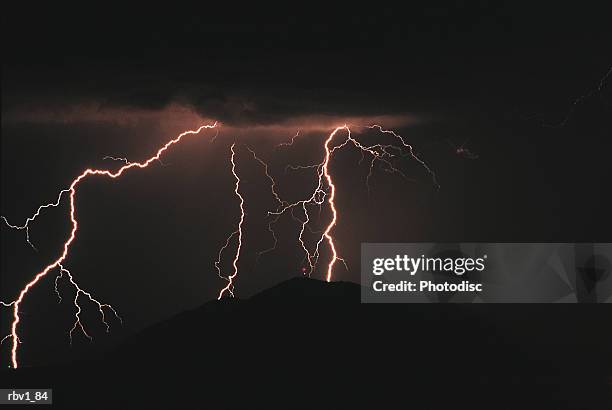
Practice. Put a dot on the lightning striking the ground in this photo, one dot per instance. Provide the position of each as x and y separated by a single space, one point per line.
59 262
325 190
229 288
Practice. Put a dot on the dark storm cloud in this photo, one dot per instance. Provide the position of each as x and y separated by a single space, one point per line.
271 65
257 99
238 69
233 107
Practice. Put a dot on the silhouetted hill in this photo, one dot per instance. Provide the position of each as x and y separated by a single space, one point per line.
309 344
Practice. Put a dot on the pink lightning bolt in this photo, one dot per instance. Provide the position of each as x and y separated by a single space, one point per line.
230 278
58 262
325 191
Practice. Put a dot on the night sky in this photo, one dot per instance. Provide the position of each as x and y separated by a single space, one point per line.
81 84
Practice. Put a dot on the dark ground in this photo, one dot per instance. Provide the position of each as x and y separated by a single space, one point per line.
306 343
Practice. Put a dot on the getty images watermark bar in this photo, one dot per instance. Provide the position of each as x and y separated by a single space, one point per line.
486 272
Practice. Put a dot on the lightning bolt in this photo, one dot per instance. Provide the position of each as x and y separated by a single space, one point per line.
325 189
323 194
576 102
229 288
290 143
275 194
26 224
581 99
58 263
81 292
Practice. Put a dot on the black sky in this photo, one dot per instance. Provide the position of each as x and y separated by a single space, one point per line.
491 76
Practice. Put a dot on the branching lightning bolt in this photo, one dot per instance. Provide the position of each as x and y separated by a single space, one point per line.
81 292
58 263
325 190
275 194
238 233
26 224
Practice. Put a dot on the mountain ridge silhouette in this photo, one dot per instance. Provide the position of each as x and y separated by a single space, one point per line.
305 343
